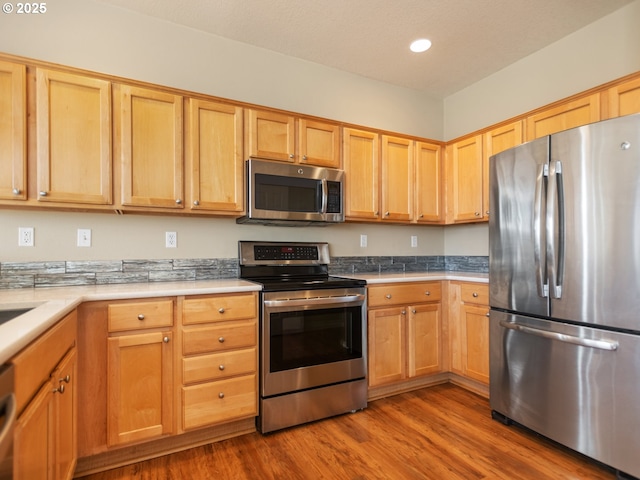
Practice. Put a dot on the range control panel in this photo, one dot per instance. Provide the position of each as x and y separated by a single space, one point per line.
278 253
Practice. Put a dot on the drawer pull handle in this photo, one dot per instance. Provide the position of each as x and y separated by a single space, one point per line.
427 293
141 317
221 310
475 295
388 295
221 395
221 339
65 379
165 339
221 367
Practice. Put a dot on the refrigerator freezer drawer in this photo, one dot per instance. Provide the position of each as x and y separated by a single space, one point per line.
575 385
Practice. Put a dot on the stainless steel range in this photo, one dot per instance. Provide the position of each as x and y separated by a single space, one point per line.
312 334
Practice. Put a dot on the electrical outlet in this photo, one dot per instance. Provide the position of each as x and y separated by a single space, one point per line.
25 236
84 237
414 241
363 241
171 239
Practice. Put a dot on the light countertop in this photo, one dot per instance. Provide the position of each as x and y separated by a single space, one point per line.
52 304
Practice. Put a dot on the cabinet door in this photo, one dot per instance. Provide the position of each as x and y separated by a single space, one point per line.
140 380
624 99
568 115
33 443
362 174
319 143
476 335
424 337
270 135
151 148
13 132
397 178
386 345
216 159
428 190
73 118
496 141
464 180
64 379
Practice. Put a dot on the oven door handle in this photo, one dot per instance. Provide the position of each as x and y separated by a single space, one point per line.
315 301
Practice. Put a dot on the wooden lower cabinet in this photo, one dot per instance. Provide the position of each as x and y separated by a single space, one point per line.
45 437
468 326
219 359
405 333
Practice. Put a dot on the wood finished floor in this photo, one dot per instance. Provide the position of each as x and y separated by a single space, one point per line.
442 432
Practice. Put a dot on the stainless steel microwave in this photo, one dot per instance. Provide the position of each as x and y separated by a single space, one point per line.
288 194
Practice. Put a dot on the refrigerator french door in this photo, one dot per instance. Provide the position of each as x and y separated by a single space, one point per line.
564 274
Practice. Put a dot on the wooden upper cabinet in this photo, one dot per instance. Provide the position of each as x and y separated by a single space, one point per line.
574 113
465 180
361 157
13 132
151 147
216 164
270 135
73 120
623 99
319 143
397 178
428 189
496 141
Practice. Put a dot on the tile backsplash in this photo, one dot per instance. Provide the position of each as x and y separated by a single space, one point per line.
67 273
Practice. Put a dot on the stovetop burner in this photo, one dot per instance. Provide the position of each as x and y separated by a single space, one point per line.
280 266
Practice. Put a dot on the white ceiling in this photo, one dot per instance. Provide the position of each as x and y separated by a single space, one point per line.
471 38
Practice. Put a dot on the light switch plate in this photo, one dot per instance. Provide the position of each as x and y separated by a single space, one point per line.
84 237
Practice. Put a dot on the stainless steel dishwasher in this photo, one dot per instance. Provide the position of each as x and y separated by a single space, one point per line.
7 421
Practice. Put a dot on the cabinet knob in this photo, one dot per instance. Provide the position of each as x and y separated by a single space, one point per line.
165 339
477 214
488 314
141 317
487 213
196 202
413 311
65 379
404 312
388 296
421 215
43 194
304 157
221 395
221 310
291 155
427 293
376 213
178 201
475 295
221 339
386 214
17 191
221 367
60 389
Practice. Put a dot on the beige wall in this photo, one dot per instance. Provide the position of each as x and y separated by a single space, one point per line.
90 35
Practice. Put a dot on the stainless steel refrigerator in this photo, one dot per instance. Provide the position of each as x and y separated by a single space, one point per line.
564 275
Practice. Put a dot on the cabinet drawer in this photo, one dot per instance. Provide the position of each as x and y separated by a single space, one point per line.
477 293
137 315
219 337
219 308
216 366
218 402
404 293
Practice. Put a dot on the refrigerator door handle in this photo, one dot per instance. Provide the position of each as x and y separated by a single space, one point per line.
555 257
543 287
562 337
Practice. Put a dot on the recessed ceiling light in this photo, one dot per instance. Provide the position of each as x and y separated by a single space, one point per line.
421 45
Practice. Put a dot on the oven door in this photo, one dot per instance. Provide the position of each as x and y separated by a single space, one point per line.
312 338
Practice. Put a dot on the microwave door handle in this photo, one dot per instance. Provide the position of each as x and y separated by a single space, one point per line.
325 196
